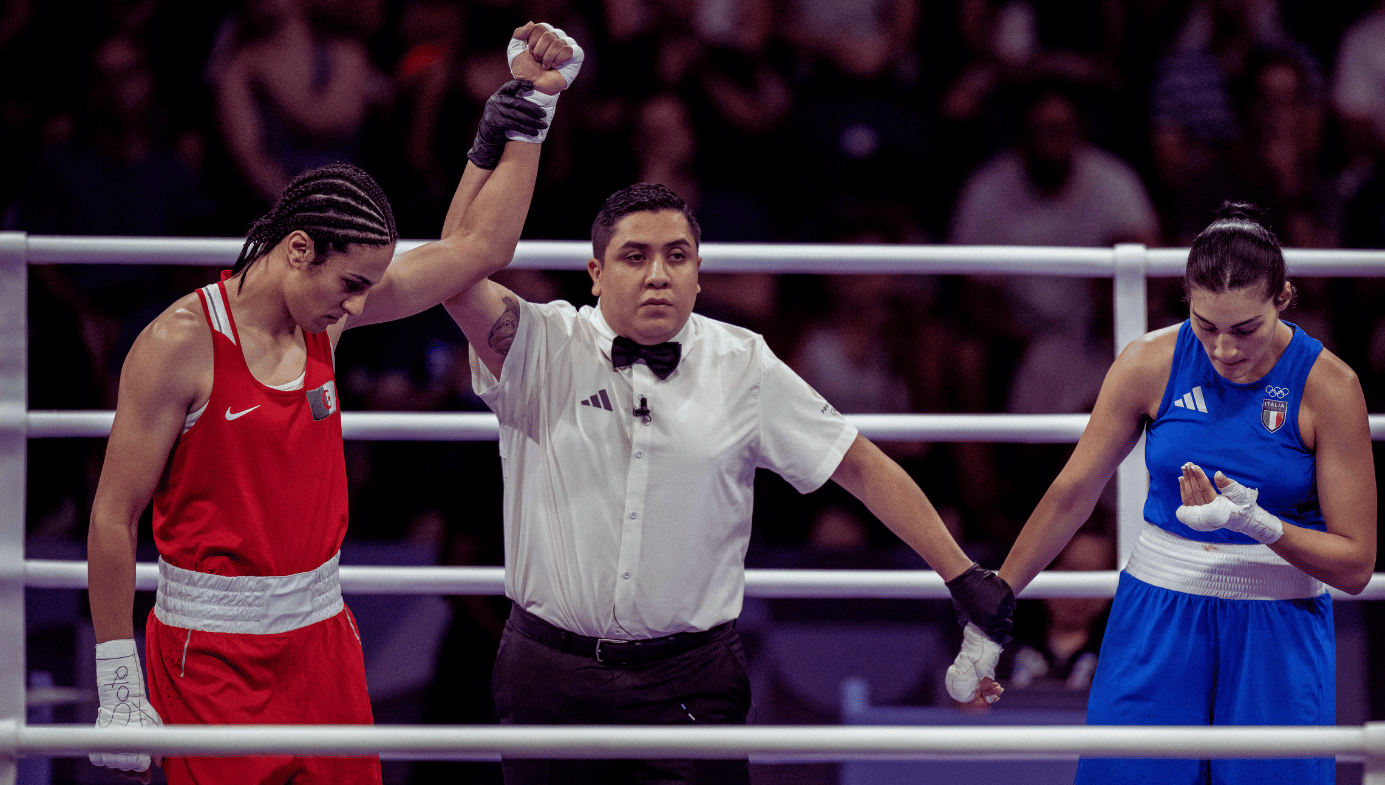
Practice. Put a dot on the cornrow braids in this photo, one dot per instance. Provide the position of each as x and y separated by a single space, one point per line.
336 205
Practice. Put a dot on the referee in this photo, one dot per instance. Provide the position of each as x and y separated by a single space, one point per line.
630 433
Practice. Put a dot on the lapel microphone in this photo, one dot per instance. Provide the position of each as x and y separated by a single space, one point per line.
643 411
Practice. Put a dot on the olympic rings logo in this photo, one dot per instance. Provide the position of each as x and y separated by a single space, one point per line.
1277 392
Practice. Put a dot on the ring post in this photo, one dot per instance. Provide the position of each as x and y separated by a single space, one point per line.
1373 754
13 448
1129 288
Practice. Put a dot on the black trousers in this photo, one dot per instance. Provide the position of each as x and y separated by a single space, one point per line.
536 684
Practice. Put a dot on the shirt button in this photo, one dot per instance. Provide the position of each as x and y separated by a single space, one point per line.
639 454
634 515
626 576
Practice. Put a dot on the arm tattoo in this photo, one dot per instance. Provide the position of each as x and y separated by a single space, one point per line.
503 331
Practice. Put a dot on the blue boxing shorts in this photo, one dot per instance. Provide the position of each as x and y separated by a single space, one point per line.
1172 657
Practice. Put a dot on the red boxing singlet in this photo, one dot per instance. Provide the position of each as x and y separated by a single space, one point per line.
257 486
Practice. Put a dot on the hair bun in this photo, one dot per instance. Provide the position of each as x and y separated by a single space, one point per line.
1240 211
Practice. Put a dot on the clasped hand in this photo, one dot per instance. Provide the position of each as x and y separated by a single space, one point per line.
984 604
970 679
545 56
544 62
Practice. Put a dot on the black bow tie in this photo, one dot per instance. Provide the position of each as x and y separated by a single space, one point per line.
661 358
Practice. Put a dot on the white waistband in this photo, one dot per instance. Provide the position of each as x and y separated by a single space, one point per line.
1230 571
247 604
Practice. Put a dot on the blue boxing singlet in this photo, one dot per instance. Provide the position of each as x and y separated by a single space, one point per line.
1249 432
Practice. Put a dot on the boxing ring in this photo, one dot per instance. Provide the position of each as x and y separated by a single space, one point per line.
1129 266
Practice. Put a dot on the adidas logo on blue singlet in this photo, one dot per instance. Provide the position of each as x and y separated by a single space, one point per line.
1192 400
600 401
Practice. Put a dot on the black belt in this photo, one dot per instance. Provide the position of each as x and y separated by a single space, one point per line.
612 651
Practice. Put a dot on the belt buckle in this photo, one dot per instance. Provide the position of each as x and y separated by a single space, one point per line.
600 641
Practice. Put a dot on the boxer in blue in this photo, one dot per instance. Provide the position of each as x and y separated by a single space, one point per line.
1221 616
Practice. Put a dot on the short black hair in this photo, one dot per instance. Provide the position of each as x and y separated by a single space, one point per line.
336 205
1235 251
638 198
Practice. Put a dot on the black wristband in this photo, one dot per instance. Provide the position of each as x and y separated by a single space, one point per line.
983 598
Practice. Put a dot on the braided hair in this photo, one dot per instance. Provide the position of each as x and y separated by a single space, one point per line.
336 205
1236 251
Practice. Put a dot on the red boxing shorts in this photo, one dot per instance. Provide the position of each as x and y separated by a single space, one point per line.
311 675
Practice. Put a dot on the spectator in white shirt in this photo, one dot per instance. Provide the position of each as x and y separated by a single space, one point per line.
630 436
1358 89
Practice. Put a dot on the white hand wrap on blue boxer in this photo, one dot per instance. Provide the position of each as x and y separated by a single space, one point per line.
124 703
548 103
976 661
1233 509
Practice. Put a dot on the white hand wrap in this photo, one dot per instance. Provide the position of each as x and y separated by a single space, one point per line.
124 704
548 103
976 660
1233 509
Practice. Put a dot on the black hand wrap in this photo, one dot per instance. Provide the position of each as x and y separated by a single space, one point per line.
505 111
983 598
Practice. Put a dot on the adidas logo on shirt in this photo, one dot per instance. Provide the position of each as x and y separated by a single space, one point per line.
1192 400
600 401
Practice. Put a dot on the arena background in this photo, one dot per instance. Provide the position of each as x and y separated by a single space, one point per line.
1029 123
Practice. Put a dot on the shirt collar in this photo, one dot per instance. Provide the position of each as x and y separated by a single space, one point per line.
607 334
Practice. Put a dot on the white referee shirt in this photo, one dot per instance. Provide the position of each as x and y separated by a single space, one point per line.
619 528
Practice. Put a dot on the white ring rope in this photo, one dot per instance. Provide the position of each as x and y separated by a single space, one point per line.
761 583
482 426
761 743
737 257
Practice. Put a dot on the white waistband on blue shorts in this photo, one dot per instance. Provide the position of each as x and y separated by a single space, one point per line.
247 604
1230 571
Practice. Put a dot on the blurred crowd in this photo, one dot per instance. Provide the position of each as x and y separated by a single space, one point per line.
1029 122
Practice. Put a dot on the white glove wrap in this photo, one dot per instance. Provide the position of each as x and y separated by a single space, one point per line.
1233 509
976 660
124 703
548 103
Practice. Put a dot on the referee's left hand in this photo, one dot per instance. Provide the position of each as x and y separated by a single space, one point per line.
983 598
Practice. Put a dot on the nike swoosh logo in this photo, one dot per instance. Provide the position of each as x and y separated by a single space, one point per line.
231 416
